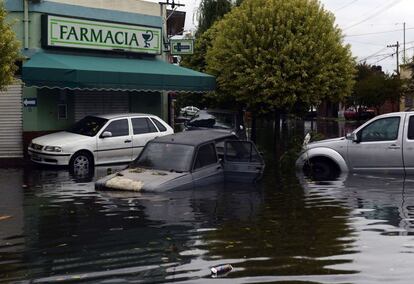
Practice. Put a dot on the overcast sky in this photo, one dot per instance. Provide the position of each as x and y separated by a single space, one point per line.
368 25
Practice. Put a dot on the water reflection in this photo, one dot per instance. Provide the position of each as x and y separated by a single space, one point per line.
382 215
357 229
63 230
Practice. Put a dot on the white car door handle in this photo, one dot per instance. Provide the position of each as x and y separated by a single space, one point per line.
394 146
127 141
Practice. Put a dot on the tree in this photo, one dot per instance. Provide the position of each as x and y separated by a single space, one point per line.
373 87
9 51
271 55
209 12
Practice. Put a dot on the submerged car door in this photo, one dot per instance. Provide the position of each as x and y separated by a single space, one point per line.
242 161
207 168
378 147
143 131
408 144
117 147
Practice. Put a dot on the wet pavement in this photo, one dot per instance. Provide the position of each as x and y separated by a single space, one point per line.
57 228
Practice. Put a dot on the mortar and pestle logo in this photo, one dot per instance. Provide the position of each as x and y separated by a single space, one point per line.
148 36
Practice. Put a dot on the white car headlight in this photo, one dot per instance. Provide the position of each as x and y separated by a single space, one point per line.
53 149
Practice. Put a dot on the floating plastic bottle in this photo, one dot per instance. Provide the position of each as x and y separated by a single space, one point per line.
221 269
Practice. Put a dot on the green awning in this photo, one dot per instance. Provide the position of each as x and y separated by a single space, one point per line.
49 70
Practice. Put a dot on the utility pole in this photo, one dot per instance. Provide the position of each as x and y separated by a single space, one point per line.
397 46
404 45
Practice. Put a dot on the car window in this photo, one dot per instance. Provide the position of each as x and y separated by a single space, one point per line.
89 126
165 156
410 133
142 125
384 129
118 128
206 155
161 127
241 151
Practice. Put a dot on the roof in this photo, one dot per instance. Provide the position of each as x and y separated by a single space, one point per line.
195 137
119 115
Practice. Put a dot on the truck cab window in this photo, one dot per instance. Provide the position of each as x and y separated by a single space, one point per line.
385 129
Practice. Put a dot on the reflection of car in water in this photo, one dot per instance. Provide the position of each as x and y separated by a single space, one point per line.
188 160
218 119
99 139
386 196
383 144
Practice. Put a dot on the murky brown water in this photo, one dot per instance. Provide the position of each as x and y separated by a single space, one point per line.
358 229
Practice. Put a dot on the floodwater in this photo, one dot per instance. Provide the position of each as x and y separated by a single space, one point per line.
287 229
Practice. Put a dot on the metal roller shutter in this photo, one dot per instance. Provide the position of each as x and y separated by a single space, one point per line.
90 103
11 123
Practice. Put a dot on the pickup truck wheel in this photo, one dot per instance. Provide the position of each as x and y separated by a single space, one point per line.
322 169
81 164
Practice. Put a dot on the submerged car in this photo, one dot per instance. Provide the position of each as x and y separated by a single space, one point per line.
231 121
187 160
383 145
99 139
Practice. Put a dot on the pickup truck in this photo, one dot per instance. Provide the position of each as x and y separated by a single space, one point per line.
384 144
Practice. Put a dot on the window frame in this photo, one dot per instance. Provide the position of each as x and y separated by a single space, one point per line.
193 168
375 121
148 120
109 123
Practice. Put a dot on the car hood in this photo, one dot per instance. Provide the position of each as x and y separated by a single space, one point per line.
60 138
331 143
137 179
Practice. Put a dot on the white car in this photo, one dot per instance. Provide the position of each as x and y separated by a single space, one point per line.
99 139
189 110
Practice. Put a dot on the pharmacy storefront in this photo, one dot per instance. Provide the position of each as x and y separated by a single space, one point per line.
95 58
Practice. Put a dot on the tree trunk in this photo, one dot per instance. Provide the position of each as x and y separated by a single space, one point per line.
253 128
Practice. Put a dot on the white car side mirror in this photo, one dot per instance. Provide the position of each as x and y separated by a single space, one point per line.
106 134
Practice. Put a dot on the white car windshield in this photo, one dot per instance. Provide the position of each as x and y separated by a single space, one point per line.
165 156
89 126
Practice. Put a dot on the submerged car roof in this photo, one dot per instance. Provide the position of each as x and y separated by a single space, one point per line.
195 137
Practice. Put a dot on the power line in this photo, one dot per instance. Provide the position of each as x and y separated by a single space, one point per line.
381 32
345 6
381 10
376 54
367 43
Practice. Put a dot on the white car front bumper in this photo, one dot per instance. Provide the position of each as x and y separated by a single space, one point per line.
49 158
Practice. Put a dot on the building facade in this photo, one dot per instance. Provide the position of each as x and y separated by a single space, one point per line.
84 57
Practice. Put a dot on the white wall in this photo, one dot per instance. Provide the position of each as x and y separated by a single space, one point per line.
132 6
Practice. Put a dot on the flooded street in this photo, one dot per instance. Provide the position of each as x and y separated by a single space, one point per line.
357 229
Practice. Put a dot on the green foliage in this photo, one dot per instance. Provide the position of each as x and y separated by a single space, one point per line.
202 43
209 12
373 87
9 51
275 54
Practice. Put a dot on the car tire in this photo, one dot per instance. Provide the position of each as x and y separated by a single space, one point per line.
81 163
322 169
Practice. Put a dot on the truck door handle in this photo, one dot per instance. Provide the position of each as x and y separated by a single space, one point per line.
394 146
127 141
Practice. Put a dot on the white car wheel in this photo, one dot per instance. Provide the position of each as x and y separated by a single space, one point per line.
81 163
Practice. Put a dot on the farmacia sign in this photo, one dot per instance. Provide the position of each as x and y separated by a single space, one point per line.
90 34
